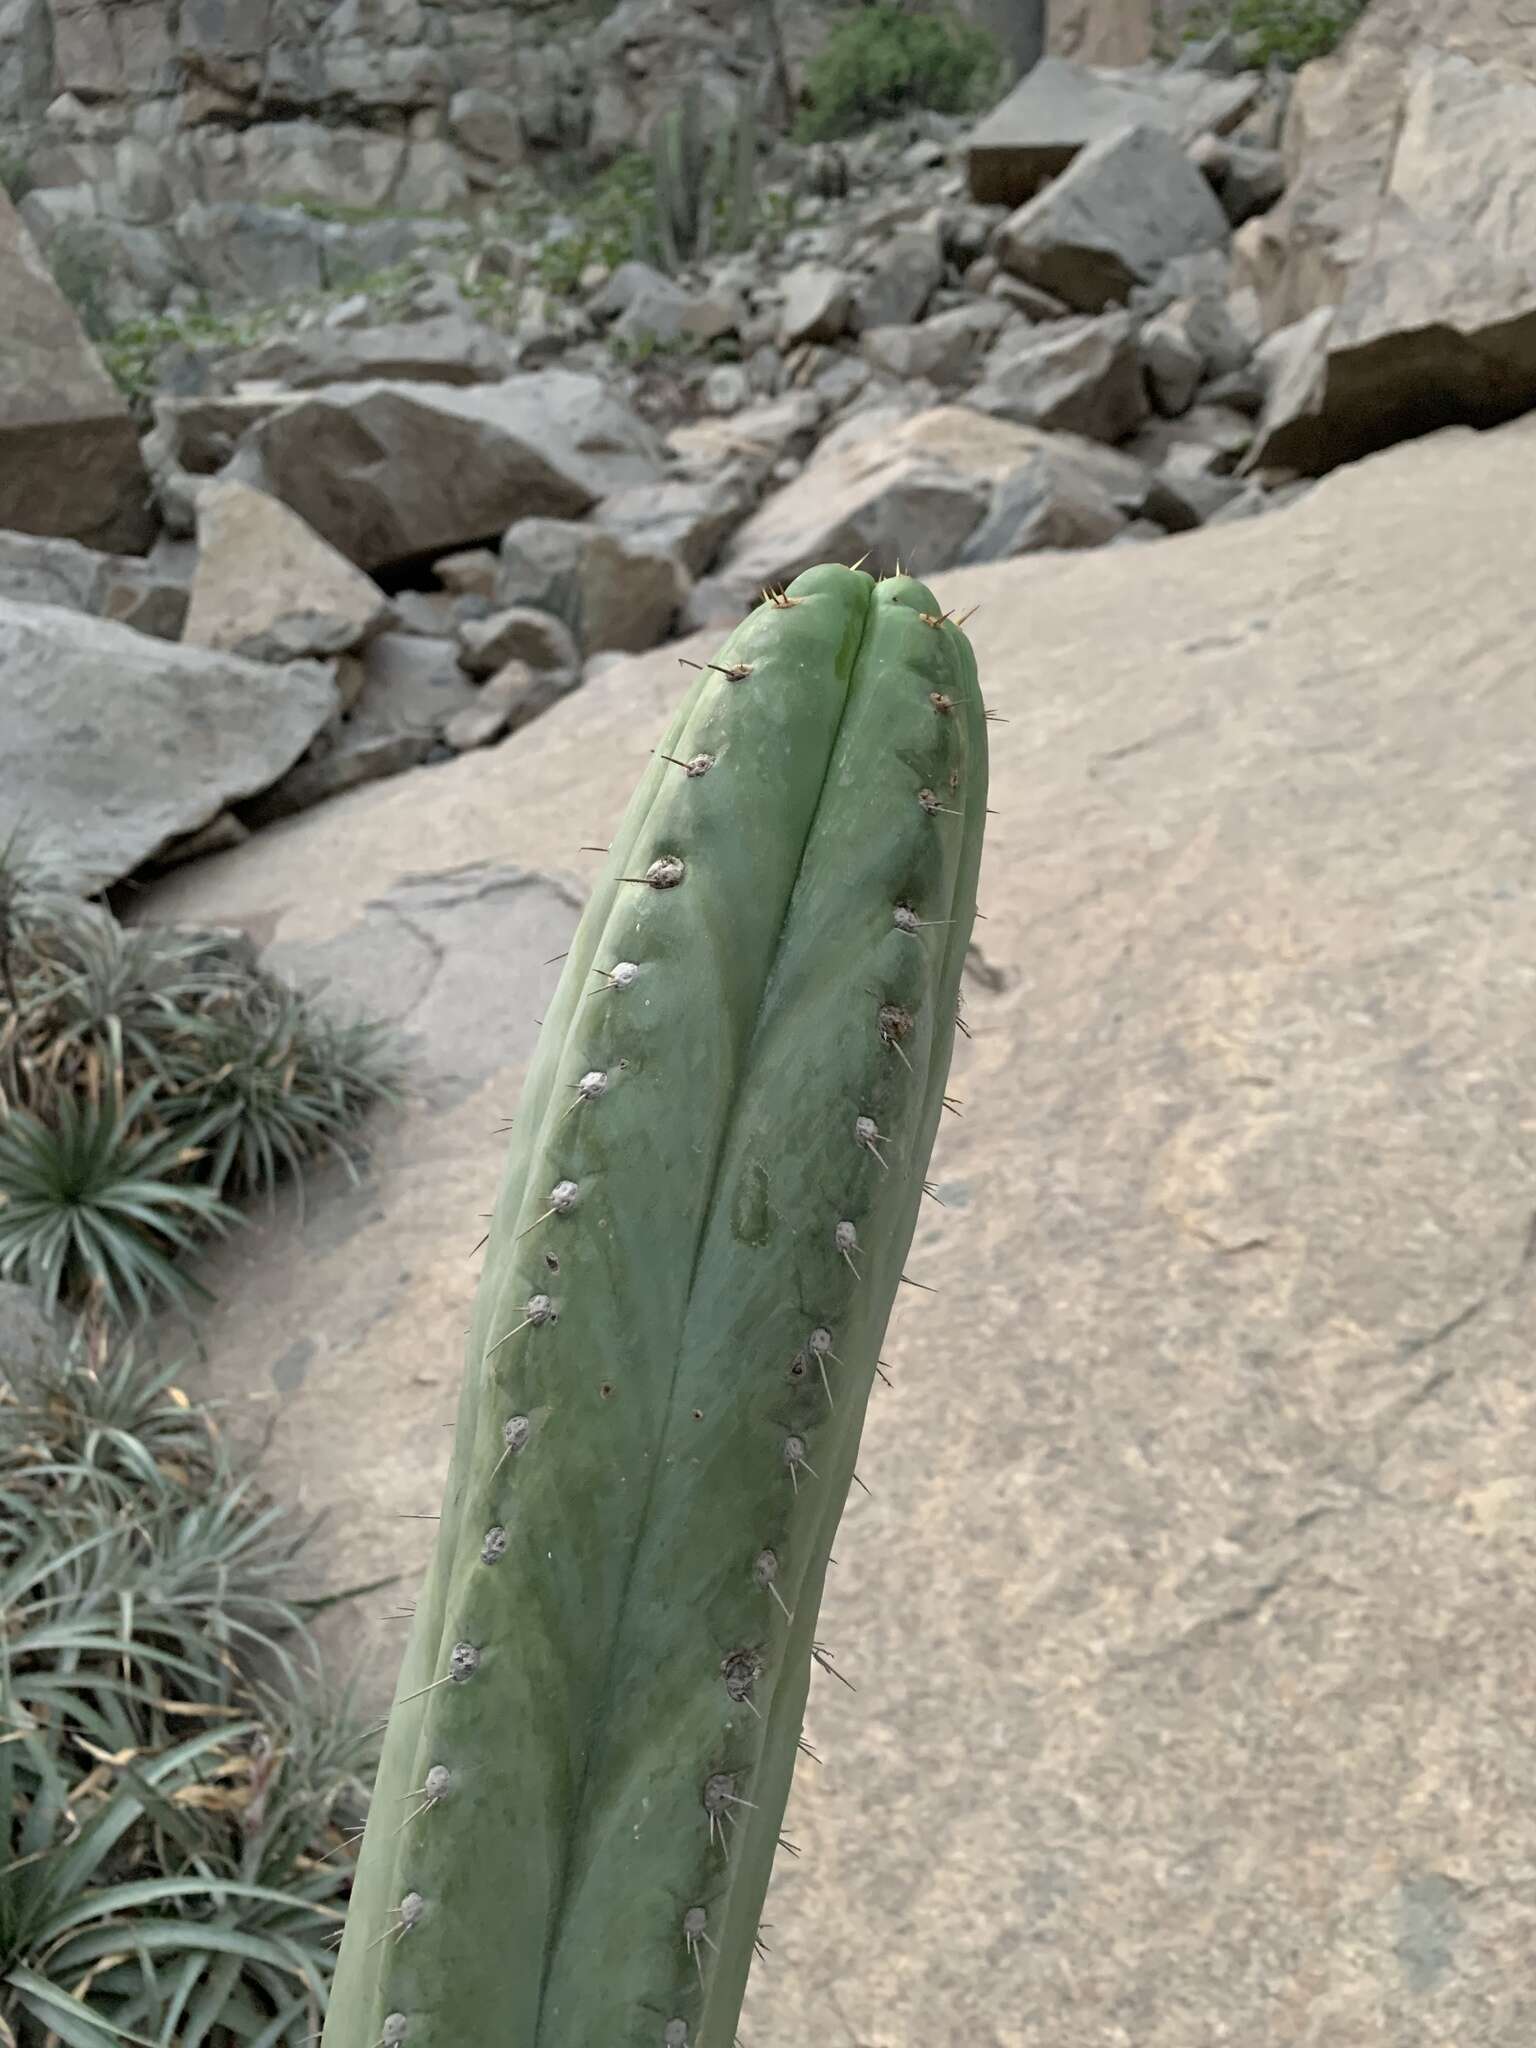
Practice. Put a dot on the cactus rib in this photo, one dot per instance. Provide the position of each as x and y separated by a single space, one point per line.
710 1192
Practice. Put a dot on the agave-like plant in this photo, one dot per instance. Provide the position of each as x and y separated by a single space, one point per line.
96 1198
171 1868
268 1082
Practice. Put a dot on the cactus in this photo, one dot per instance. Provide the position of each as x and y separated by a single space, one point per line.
713 1183
697 181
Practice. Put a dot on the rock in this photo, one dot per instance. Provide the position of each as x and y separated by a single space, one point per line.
1049 501
33 1343
1190 340
446 350
486 124
1061 108
818 303
511 698
686 516
406 685
128 588
611 588
116 744
1179 500
427 614
332 769
1239 1159
727 387
1125 207
662 311
268 587
519 633
945 349
1433 296
1027 299
471 572
905 273
756 438
69 456
1082 375
386 472
1246 180
919 482
1208 439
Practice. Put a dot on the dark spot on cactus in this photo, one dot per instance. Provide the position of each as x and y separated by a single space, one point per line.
895 1022
752 1218
494 1546
954 778
698 1414
463 1663
552 1262
799 1366
739 1670
606 1390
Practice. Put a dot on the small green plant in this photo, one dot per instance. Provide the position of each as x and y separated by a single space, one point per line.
81 263
146 1076
16 179
1285 32
175 1780
881 61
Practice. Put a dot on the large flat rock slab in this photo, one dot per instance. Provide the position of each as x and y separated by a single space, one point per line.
1192 1615
69 454
115 744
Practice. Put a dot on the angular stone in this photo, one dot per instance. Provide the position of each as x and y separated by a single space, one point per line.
1062 107
1243 1164
757 438
907 270
387 472
1432 299
611 588
1180 500
1125 207
472 572
268 586
519 633
509 699
116 744
487 124
69 455
684 516
1049 501
447 349
128 588
920 481
1082 375
818 303
944 350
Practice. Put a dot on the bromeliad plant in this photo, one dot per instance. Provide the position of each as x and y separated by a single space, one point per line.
713 1183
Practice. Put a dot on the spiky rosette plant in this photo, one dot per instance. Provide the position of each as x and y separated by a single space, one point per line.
713 1184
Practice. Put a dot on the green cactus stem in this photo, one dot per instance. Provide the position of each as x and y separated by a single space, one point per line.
712 1187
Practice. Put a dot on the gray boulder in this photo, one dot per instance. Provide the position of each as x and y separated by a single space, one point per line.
613 589
1082 376
116 744
519 633
146 594
1126 207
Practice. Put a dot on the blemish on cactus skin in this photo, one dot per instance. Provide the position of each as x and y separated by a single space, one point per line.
464 1662
494 1547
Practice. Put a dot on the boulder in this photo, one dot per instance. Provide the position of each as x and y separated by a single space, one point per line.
818 303
684 516
1062 107
1431 312
912 486
1082 375
945 350
447 349
1048 501
388 472
755 438
269 587
116 744
612 589
132 589
69 455
1197 1630
905 272
1125 207
511 697
519 633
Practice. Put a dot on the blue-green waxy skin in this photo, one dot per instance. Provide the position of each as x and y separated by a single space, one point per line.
596 1723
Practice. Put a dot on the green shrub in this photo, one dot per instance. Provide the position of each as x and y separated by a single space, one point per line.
16 178
176 1784
147 1075
881 61
82 269
1286 32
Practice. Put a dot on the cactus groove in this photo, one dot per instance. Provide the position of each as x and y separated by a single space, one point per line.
711 1190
